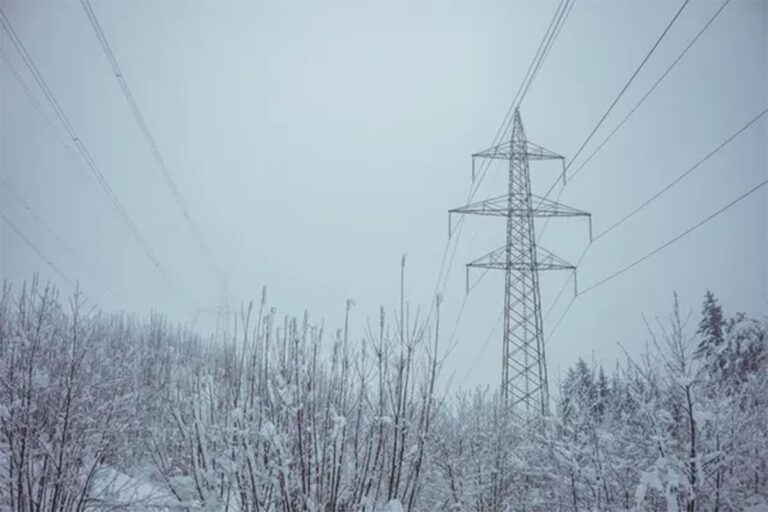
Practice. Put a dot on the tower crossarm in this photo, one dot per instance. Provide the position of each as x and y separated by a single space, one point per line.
504 152
544 207
499 206
545 260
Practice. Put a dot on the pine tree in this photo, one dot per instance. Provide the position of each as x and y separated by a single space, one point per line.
603 393
710 328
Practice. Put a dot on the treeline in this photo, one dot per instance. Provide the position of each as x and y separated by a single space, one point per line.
283 416
280 417
682 427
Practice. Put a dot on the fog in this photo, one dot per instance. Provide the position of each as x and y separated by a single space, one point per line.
314 143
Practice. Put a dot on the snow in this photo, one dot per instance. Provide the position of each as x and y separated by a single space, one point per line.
223 436
394 506
114 488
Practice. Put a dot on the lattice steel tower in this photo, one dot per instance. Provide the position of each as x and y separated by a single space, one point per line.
524 367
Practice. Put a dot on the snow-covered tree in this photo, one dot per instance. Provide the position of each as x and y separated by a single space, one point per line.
105 412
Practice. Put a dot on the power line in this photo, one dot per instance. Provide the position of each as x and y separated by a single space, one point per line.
653 198
565 285
36 249
148 137
655 251
28 207
611 107
652 88
84 151
533 68
33 99
560 319
556 32
629 82
482 349
15 193
616 129
675 239
453 341
679 178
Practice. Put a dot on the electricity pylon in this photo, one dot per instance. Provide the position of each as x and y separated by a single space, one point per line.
524 386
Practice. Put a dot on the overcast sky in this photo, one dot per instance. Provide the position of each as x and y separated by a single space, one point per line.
316 142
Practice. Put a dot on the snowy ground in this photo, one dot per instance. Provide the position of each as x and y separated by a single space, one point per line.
117 489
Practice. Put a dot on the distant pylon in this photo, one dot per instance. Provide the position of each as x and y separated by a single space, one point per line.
524 385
